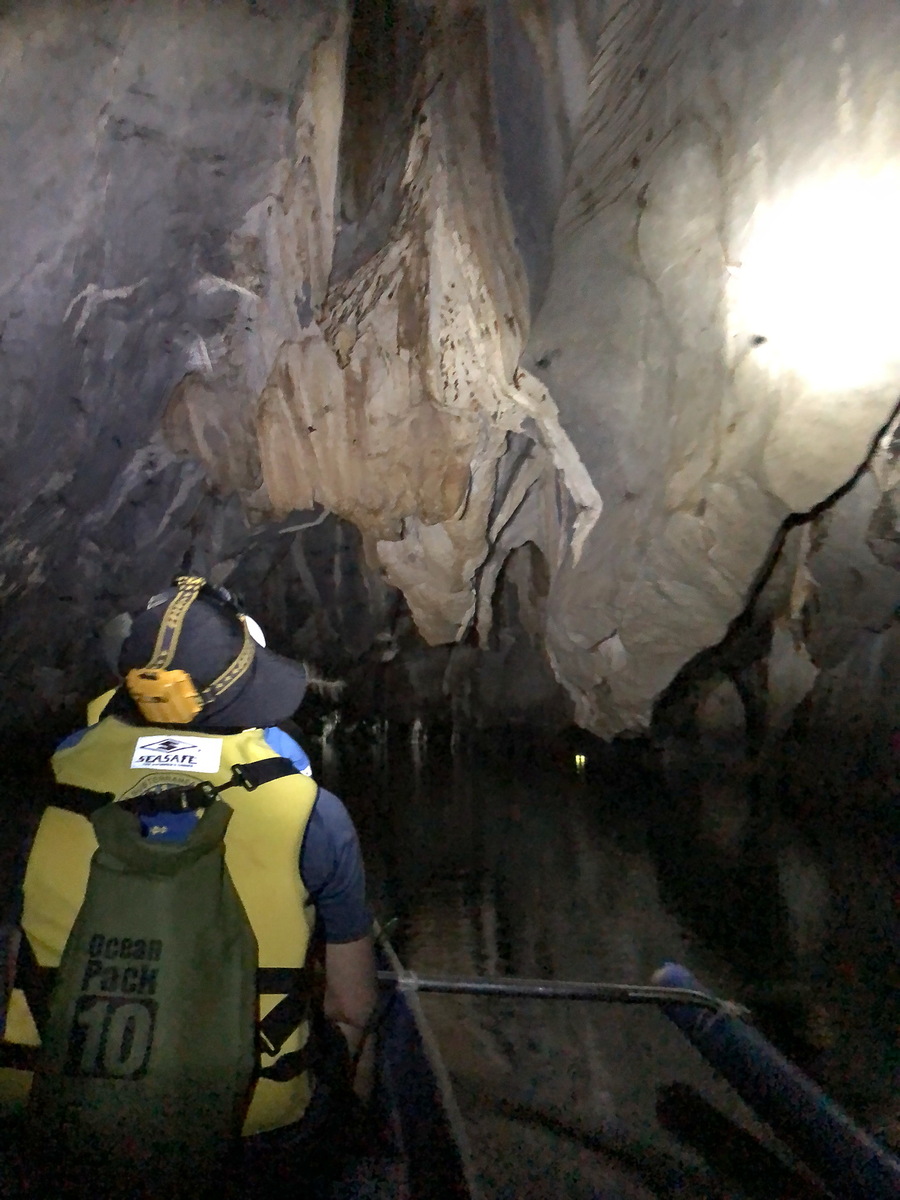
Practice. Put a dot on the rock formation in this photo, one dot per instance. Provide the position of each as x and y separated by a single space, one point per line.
507 352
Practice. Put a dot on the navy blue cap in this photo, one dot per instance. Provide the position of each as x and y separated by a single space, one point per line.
211 637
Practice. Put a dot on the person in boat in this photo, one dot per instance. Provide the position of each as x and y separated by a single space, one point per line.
276 736
112 637
237 694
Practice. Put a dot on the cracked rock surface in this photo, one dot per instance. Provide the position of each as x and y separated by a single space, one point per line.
441 337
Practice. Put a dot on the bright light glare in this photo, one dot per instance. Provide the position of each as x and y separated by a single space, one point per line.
579 762
254 630
819 279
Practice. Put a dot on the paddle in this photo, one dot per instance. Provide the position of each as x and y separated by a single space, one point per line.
549 989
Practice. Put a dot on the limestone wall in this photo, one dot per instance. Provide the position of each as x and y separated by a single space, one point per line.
565 307
721 145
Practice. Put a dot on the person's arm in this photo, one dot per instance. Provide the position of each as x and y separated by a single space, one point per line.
332 869
350 996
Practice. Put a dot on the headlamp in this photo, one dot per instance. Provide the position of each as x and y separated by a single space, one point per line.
170 697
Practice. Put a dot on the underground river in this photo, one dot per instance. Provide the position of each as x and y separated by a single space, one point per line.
511 858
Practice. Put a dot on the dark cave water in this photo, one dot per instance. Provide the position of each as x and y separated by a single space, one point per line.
508 857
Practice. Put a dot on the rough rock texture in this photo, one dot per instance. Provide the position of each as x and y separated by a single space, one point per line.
455 335
398 403
138 140
845 643
700 440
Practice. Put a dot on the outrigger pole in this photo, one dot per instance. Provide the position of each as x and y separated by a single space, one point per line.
850 1162
547 989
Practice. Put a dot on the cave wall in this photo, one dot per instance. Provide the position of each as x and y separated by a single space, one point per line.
700 430
830 679
138 142
437 328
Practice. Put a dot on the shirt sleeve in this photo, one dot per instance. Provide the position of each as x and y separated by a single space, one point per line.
332 870
282 743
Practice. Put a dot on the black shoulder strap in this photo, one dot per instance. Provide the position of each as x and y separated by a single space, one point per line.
264 770
294 984
249 776
36 982
81 800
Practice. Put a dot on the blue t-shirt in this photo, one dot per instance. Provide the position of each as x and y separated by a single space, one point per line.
331 867
282 743
331 864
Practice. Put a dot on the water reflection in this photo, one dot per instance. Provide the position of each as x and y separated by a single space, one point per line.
498 860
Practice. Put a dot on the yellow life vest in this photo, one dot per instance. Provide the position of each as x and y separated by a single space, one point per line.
97 706
262 852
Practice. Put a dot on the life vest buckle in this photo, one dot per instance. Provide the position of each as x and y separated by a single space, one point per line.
208 790
240 778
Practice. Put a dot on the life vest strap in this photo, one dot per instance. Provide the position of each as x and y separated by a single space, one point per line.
289 1066
249 776
290 1012
36 982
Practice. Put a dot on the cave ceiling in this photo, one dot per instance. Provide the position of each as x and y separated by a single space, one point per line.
499 350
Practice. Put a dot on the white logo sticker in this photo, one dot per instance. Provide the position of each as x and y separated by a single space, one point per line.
185 754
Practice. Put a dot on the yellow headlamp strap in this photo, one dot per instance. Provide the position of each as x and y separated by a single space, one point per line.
189 588
170 626
231 674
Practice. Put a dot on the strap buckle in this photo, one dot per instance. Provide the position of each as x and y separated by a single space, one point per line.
240 778
208 790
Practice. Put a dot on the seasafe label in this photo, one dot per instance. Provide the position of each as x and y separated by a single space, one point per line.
167 751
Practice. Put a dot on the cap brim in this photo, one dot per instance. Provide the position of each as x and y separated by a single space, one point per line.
271 692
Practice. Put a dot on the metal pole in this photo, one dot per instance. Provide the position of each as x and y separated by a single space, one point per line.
548 989
848 1160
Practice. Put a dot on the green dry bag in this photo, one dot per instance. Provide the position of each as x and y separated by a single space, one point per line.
149 1050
